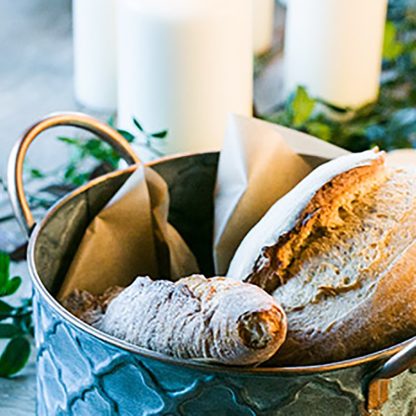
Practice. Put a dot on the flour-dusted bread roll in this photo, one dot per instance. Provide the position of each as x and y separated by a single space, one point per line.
88 307
340 259
217 320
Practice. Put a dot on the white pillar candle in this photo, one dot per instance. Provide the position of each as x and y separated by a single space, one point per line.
334 48
184 65
263 22
95 65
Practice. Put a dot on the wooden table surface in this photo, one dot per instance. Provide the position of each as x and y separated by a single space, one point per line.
36 79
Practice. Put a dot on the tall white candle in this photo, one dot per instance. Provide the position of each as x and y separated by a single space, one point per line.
334 48
184 65
95 65
263 22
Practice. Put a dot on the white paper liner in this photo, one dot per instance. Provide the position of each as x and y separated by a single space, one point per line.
258 165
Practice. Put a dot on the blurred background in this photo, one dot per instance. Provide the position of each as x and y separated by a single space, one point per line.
317 59
37 74
36 69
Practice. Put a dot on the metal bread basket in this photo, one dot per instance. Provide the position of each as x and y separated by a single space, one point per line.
81 371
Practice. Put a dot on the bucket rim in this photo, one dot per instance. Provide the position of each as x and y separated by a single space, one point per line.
192 364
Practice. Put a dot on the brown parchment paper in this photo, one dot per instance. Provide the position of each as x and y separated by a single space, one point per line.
258 165
131 236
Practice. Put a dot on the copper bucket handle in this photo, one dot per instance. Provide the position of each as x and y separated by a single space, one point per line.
15 167
377 386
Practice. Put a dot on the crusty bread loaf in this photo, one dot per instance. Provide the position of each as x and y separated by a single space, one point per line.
345 273
215 320
88 307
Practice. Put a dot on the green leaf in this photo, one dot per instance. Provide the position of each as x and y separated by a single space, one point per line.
283 118
138 125
100 151
4 269
160 134
93 145
111 120
14 357
36 173
70 172
301 106
392 48
69 140
80 179
24 323
6 311
11 286
318 129
9 331
127 135
27 302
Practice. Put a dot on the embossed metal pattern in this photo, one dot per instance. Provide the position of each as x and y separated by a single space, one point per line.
80 375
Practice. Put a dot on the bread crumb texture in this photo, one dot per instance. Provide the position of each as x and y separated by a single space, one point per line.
346 275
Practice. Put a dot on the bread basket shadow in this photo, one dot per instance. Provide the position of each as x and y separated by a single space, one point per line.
81 371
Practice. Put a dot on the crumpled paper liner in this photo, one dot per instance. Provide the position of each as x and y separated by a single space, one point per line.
131 236
258 165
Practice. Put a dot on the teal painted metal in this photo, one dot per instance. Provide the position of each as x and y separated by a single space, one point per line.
80 375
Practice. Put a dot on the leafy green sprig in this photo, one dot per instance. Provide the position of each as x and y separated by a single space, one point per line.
15 323
390 122
91 157
149 137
